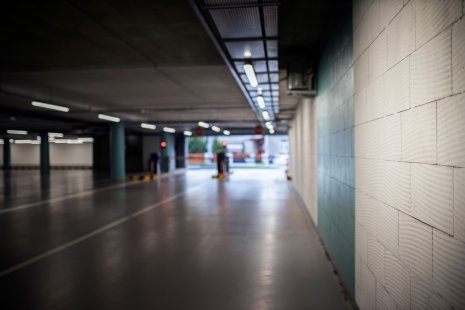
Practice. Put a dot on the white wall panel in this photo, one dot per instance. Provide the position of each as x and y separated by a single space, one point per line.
431 70
401 35
458 56
432 195
416 245
409 155
459 203
421 293
397 81
451 131
25 154
449 268
71 154
383 300
432 17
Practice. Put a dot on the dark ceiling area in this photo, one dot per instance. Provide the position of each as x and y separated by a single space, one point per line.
140 60
303 28
60 35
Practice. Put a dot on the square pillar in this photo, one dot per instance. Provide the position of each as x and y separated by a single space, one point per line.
44 153
6 154
117 152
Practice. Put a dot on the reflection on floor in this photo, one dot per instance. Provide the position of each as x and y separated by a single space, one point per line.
182 242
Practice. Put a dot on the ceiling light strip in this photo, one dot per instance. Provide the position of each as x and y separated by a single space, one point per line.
16 132
50 106
109 118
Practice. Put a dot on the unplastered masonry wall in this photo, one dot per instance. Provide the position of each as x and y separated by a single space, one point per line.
322 154
410 153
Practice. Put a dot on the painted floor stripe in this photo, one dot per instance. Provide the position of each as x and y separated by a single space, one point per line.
78 194
91 234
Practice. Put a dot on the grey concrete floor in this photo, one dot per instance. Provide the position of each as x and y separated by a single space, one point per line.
186 241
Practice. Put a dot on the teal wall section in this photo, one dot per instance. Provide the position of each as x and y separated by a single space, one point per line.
335 151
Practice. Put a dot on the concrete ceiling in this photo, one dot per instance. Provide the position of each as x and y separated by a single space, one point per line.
143 60
140 60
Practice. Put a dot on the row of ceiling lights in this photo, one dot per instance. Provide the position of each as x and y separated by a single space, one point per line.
52 137
214 128
117 120
186 132
252 77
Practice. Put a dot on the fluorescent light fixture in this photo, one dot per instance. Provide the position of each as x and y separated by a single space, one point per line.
250 72
74 141
12 141
148 126
247 54
55 135
215 128
86 139
23 141
27 141
68 141
187 133
271 131
1 141
203 124
260 91
50 106
261 102
17 132
268 125
265 115
168 129
226 132
109 118
60 141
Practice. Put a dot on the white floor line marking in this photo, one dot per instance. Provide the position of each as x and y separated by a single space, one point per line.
90 235
78 194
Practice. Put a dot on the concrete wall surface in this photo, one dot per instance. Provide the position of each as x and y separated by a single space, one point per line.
410 153
390 142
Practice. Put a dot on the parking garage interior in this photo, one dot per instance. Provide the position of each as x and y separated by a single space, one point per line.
232 154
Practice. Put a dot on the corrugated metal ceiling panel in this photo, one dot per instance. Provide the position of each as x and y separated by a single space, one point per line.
270 14
237 23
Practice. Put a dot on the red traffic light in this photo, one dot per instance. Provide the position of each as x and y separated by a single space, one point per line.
163 144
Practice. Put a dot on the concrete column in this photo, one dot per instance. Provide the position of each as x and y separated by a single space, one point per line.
117 152
165 154
180 150
6 154
44 153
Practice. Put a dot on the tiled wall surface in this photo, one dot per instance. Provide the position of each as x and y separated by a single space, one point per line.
390 130
409 75
335 156
322 153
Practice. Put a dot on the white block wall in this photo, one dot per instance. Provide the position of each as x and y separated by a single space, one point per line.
303 154
410 153
60 154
